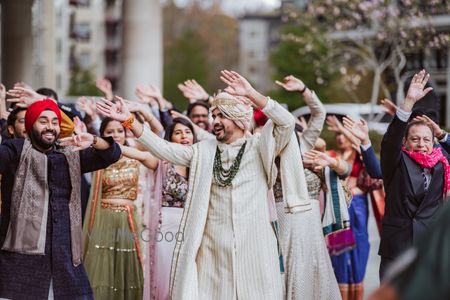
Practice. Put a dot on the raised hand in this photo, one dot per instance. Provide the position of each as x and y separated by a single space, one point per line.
134 106
151 91
319 160
23 85
334 124
2 92
237 85
359 129
391 108
78 142
79 126
87 105
192 90
24 97
291 83
117 111
437 131
3 111
416 90
105 86
176 114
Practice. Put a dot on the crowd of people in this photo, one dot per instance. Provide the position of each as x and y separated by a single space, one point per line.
233 199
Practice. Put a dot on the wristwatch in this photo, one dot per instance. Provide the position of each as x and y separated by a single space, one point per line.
441 135
303 90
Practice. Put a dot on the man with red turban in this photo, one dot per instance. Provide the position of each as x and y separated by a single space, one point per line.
40 229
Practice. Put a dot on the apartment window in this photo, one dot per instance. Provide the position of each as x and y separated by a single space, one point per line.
84 60
84 2
414 61
58 82
79 2
59 17
83 31
59 50
438 58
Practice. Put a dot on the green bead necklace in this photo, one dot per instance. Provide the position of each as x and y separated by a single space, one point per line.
224 177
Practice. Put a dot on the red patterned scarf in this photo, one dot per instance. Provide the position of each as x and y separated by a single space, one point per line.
430 160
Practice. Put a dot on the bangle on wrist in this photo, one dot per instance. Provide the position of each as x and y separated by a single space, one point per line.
303 90
128 123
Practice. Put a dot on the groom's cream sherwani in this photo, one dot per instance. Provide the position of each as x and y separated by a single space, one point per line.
229 249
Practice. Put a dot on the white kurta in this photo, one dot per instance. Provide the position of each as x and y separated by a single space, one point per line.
238 256
228 249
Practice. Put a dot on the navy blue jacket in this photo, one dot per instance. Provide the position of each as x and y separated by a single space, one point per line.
371 163
28 276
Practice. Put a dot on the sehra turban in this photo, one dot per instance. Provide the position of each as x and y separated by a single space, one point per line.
235 108
35 110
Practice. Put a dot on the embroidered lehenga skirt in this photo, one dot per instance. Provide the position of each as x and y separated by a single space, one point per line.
112 255
112 259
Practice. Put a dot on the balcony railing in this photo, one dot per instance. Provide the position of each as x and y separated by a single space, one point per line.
79 2
81 36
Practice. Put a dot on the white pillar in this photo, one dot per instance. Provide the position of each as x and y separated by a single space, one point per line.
142 45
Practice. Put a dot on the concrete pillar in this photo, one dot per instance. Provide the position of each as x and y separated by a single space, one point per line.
142 45
447 92
44 44
1 42
17 42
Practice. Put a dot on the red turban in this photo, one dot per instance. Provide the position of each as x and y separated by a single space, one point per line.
35 110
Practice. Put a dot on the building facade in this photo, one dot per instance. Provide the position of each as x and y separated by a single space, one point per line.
43 42
259 34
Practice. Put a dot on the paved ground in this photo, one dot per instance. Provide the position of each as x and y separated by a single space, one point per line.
372 281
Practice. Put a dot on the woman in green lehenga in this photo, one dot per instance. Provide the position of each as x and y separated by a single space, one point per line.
112 255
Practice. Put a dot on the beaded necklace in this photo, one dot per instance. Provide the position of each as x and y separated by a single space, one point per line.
224 177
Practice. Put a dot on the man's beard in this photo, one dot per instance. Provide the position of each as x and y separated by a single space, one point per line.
203 125
38 139
220 133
